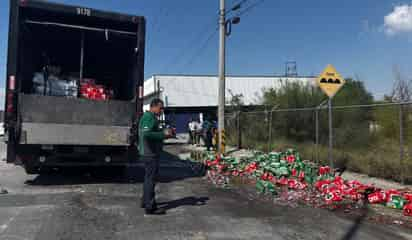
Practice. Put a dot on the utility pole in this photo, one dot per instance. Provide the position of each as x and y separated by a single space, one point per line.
330 152
222 73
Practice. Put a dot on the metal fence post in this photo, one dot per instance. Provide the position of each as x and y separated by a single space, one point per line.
239 130
270 132
401 142
267 126
330 155
317 135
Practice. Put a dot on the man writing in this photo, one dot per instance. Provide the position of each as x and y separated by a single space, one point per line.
150 146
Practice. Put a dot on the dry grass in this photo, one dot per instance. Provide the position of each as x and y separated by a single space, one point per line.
380 159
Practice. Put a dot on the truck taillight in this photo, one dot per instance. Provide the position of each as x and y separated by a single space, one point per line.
10 102
23 2
9 108
141 92
12 82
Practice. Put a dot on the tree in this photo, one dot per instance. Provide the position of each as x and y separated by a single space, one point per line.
387 118
299 125
401 91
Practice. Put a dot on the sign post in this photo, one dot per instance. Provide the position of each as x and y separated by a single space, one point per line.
330 154
330 81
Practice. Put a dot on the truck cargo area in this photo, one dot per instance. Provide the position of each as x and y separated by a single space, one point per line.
73 76
77 78
94 51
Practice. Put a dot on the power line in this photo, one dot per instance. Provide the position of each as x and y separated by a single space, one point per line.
157 26
238 4
189 45
156 23
249 8
201 49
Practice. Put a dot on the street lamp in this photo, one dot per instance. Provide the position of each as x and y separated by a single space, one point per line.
228 24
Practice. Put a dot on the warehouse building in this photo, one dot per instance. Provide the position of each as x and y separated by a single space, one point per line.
196 96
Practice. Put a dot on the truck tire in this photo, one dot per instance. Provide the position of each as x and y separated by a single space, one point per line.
45 170
31 169
132 154
11 148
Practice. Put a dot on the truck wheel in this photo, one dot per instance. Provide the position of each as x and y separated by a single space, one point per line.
45 170
11 149
132 154
31 169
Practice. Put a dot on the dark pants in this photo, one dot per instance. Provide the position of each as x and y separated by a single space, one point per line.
209 139
150 178
199 136
192 135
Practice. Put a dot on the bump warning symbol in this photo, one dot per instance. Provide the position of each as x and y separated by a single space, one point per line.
330 81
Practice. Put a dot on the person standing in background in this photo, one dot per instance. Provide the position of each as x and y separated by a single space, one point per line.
192 131
199 132
207 133
215 135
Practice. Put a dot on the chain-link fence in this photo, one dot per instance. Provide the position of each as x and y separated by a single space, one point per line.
373 139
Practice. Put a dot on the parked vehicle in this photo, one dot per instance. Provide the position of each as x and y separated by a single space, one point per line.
74 85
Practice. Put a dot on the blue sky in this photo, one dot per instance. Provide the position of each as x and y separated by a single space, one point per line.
349 34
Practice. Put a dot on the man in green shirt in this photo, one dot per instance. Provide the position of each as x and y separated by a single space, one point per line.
150 146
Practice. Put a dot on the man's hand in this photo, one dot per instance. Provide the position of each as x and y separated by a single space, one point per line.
168 133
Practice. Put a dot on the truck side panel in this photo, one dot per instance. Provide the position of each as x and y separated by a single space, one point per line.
10 116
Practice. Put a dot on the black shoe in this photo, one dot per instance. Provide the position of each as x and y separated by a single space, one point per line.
155 211
142 205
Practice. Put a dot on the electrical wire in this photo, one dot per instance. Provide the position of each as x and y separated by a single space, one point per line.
205 44
249 8
239 3
183 52
157 26
156 23
197 53
200 50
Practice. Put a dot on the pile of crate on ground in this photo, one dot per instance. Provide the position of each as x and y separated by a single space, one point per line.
318 186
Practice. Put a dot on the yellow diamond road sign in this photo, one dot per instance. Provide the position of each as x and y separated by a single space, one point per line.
330 81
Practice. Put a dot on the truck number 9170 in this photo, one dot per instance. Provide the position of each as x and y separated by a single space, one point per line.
84 12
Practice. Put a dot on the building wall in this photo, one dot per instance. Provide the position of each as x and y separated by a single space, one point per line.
189 97
202 90
180 117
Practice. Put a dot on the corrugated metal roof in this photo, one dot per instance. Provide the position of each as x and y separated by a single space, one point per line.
202 90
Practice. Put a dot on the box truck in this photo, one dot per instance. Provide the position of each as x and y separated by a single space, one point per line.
74 88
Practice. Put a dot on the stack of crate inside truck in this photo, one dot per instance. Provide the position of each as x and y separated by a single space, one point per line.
74 85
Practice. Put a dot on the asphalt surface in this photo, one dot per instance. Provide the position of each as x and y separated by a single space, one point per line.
105 205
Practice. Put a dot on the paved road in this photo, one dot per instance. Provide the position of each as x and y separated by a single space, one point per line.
86 206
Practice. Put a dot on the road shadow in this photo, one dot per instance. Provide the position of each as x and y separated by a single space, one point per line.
172 168
187 201
359 220
357 224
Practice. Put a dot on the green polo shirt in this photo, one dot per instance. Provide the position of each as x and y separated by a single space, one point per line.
150 136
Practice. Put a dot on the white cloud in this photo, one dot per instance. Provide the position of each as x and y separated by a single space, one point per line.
399 20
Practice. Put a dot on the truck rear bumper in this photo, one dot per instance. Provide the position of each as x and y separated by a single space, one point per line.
73 134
